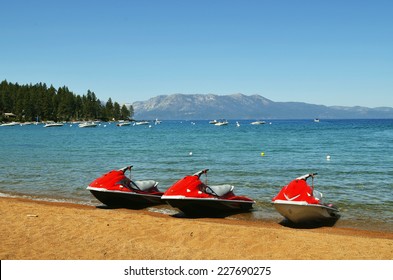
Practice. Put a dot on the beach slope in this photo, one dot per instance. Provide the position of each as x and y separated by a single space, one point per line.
36 230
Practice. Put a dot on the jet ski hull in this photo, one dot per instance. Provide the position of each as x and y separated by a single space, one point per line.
305 213
207 206
125 199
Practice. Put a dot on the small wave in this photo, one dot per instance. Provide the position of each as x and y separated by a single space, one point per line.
166 211
47 199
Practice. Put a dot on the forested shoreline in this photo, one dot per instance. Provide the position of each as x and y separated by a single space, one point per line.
43 103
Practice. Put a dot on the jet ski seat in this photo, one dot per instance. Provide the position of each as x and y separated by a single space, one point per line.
144 185
219 190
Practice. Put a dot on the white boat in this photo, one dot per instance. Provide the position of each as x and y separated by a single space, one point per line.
123 124
53 124
10 124
316 120
157 121
258 122
213 122
221 123
142 123
87 124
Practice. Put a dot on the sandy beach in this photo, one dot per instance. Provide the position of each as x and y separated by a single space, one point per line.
37 230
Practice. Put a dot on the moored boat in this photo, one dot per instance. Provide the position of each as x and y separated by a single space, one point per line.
221 123
123 124
53 124
258 122
10 124
142 122
87 125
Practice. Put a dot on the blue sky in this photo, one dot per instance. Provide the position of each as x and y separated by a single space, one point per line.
321 52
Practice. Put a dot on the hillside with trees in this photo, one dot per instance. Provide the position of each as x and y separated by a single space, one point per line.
29 102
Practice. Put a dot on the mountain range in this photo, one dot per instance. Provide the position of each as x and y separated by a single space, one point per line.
240 106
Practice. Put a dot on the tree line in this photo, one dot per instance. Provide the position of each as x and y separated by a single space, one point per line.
29 102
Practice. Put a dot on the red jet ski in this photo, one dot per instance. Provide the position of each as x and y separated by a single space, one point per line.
300 203
193 197
115 189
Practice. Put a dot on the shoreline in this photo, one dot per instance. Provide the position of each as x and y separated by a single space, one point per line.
258 214
42 230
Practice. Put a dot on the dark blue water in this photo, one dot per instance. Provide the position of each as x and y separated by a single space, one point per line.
58 163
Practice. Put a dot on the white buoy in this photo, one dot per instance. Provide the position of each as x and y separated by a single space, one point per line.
190 153
328 157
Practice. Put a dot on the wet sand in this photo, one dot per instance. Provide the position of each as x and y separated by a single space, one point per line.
37 230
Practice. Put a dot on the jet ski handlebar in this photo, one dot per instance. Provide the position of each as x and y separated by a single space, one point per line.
305 177
199 173
124 169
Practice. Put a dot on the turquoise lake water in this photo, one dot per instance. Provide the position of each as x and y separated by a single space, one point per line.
58 163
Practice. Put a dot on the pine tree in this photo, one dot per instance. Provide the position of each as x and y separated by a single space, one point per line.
125 113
